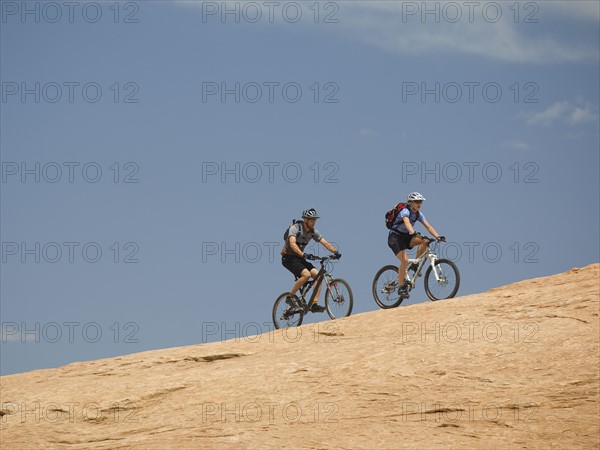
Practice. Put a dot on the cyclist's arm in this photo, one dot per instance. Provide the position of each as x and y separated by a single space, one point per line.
327 245
295 247
434 233
408 225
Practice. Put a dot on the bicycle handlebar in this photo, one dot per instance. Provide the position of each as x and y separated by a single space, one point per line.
432 239
321 258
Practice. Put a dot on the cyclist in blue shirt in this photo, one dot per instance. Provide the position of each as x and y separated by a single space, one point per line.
403 236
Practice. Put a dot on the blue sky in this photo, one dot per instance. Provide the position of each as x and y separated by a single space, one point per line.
154 152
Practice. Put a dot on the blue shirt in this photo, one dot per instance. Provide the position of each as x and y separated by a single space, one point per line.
399 226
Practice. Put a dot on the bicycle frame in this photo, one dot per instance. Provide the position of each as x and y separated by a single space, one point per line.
441 279
428 255
322 275
290 310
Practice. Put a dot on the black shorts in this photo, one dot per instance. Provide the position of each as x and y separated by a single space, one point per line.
399 241
295 264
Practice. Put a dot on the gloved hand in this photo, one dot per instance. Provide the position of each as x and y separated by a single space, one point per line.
309 256
441 238
337 255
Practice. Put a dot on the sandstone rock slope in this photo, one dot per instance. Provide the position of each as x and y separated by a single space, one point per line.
514 367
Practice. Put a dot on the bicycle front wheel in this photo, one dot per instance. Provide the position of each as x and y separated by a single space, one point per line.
338 299
385 287
447 284
284 315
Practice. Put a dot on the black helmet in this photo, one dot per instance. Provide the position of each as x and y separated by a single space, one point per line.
310 214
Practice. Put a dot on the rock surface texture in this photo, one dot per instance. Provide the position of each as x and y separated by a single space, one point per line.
514 367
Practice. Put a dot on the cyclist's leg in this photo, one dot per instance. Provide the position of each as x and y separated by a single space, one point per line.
297 267
314 272
422 249
304 277
422 243
314 305
399 243
403 257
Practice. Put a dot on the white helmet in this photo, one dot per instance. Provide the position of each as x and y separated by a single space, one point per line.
415 196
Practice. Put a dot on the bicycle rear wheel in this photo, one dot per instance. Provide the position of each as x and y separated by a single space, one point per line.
285 316
447 285
338 299
385 287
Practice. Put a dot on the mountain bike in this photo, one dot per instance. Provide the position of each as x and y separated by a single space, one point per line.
289 310
442 278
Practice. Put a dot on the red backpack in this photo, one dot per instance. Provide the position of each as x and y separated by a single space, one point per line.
390 216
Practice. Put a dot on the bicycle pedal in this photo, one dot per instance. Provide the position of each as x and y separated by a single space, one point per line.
290 312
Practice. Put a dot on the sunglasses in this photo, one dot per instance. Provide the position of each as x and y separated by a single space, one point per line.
418 202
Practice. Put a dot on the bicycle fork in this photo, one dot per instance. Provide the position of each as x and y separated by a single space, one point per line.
333 291
437 271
